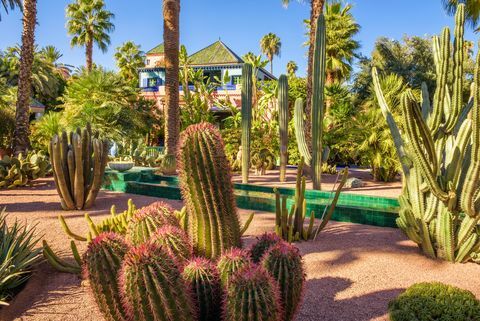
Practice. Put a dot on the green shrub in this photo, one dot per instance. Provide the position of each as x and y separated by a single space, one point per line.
434 301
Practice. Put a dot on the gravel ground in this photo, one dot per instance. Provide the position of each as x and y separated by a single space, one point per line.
353 270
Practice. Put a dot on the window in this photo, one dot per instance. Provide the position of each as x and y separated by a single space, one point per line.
148 62
236 80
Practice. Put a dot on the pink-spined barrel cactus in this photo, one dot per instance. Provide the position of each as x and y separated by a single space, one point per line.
175 241
262 245
230 262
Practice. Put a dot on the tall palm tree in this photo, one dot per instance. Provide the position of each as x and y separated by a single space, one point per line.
171 39
472 10
271 45
51 55
129 58
21 142
292 68
89 22
10 4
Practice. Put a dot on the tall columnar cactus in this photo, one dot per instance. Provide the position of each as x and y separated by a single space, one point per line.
318 86
247 93
439 147
205 182
283 124
102 262
152 287
262 245
298 114
78 161
204 281
175 241
231 262
252 295
285 265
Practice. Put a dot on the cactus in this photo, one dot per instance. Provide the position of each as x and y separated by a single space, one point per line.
283 124
18 171
151 286
148 219
168 165
262 245
298 115
252 295
231 262
175 241
247 83
439 148
204 281
289 225
284 263
78 161
206 186
102 262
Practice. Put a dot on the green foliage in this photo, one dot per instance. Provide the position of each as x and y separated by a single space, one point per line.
271 46
43 129
7 114
129 58
18 254
18 171
434 301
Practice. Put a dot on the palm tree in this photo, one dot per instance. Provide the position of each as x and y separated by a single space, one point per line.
10 4
89 23
472 10
292 68
21 142
171 34
129 58
51 55
271 45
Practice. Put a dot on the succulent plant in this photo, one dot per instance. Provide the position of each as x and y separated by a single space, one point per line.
247 92
18 171
252 295
152 287
231 262
262 245
203 278
205 182
175 241
283 124
102 262
284 263
168 165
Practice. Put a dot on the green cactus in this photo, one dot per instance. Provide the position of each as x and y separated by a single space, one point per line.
175 241
231 262
439 148
102 263
168 165
283 124
284 263
152 287
247 84
206 186
262 245
18 171
78 161
252 295
300 131
204 281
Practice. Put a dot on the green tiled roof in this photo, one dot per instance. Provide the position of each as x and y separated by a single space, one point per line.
216 53
157 50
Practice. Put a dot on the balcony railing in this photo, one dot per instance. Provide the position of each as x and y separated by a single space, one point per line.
190 87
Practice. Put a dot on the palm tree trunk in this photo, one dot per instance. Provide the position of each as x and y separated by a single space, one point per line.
271 66
171 13
89 54
21 142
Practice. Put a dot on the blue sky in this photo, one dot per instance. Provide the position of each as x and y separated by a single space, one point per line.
240 24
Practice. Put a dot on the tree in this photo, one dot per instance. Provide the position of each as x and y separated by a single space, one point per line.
171 35
129 58
10 4
292 68
271 45
472 10
21 142
89 22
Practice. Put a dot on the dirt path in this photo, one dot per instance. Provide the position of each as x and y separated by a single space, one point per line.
353 271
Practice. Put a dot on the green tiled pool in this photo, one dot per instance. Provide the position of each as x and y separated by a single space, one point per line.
379 211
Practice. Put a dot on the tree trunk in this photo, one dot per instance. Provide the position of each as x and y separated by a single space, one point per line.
315 9
328 82
21 142
89 54
171 13
271 66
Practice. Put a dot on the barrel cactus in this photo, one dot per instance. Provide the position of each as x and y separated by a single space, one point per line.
231 262
284 263
204 281
78 161
152 287
252 295
439 148
283 124
262 245
175 241
102 262
205 182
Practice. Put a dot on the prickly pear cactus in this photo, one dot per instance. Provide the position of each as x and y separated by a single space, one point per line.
439 147
18 171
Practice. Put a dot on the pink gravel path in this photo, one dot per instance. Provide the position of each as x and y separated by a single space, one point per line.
352 270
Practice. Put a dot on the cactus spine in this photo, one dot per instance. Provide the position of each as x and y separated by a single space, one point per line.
263 244
103 260
247 84
284 263
78 161
300 132
231 262
205 182
440 154
283 124
152 288
175 241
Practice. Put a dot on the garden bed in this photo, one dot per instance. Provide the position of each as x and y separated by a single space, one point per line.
353 270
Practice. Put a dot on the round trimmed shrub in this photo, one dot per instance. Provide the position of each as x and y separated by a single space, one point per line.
434 301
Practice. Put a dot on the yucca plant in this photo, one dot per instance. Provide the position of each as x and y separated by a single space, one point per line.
18 254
